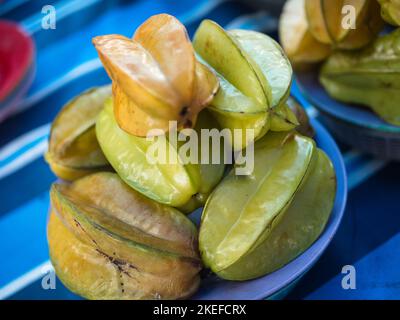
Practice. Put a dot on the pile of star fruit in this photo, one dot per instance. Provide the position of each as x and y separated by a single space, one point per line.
118 227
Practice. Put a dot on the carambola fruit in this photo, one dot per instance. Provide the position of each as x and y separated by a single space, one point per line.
107 241
156 76
295 36
291 116
254 79
304 126
369 77
172 182
390 11
253 225
283 118
331 22
73 148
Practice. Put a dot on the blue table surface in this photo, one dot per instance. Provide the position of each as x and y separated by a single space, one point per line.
66 64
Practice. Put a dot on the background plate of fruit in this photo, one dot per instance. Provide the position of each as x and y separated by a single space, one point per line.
121 227
348 66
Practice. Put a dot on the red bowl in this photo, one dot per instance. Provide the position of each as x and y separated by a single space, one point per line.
16 61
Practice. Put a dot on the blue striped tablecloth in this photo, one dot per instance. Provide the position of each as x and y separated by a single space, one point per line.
66 64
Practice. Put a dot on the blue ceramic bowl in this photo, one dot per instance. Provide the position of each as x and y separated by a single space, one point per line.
277 284
351 124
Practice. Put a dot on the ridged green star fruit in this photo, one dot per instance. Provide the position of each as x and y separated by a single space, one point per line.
254 75
172 182
304 126
390 11
368 77
299 44
73 148
107 241
156 77
283 119
330 22
253 225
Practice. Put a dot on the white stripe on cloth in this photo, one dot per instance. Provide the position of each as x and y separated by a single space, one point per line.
75 73
27 138
24 159
25 280
34 23
14 146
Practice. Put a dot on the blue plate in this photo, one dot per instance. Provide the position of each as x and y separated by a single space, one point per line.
277 284
354 125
